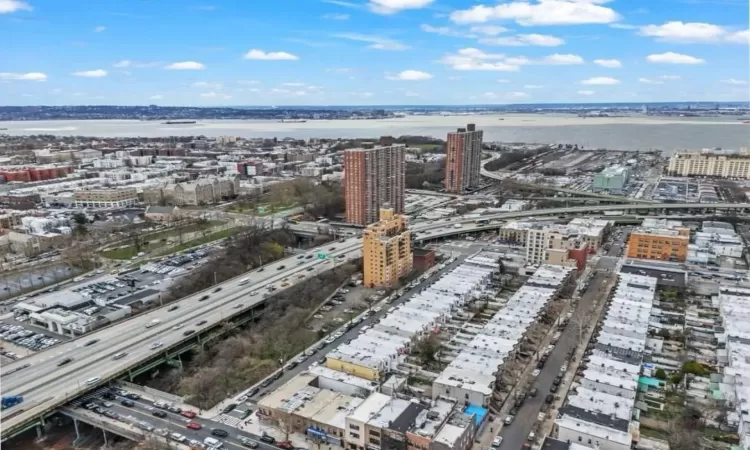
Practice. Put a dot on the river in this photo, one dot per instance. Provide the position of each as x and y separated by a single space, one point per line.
618 133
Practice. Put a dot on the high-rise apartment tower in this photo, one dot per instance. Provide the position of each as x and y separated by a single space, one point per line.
463 159
373 177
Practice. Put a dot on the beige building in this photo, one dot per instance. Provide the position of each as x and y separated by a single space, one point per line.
711 163
161 213
387 254
10 219
203 191
28 244
105 198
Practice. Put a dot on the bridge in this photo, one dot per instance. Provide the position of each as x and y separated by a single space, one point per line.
47 383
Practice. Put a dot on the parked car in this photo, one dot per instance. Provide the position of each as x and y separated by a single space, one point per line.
508 420
218 432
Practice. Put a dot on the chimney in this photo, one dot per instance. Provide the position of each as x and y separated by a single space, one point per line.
471 127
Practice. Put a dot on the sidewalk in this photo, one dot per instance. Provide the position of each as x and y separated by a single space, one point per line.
548 426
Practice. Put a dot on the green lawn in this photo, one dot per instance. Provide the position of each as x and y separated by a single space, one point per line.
268 208
120 253
159 239
200 241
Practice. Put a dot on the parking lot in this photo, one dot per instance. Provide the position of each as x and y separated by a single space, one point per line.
178 264
23 337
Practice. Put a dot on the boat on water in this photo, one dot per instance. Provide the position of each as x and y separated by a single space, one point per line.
292 120
180 122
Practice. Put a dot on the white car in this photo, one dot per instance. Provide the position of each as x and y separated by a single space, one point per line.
155 345
497 441
377 309
330 340
177 327
536 373
254 293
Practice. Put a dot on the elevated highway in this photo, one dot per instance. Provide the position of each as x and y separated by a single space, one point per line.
46 385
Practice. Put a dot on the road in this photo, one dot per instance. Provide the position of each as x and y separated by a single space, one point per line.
44 383
515 434
46 386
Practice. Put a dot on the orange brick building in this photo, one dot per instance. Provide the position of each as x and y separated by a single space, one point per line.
661 244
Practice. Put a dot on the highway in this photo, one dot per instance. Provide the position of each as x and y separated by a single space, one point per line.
45 385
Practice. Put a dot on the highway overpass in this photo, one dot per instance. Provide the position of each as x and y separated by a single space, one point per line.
46 386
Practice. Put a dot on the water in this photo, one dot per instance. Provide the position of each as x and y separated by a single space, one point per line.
619 133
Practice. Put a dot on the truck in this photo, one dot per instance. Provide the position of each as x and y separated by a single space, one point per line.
9 401
458 225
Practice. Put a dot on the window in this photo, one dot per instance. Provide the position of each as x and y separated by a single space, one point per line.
374 433
374 441
354 427
354 435
580 439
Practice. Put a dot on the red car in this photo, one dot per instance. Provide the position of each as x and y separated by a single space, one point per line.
189 414
286 445
194 426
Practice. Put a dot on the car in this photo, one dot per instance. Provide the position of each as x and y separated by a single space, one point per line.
218 432
93 380
268 439
109 396
332 249
238 306
266 382
513 411
155 345
533 392
132 396
173 308
91 342
177 437
553 388
188 332
202 322
254 293
178 326
281 268
229 408
291 365
128 403
247 442
549 399
286 445
556 381
218 289
536 373
194 425
174 409
187 413
330 340
159 413
508 420
252 392
64 361
497 441
204 298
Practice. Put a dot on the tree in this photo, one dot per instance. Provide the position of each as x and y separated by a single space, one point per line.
660 374
694 367
80 221
427 348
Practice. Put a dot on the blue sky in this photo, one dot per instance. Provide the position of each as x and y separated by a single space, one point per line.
350 52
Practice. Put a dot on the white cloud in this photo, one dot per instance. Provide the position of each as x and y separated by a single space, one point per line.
560 60
363 94
9 6
260 55
185 65
97 73
475 59
586 92
376 42
248 82
649 81
411 94
99 29
694 32
670 77
540 12
503 81
30 76
217 95
206 85
445 31
343 3
521 40
135 64
673 58
156 97
600 81
394 6
517 94
488 30
734 82
740 37
611 63
410 75
622 26
289 92
336 16
341 70
293 84
533 86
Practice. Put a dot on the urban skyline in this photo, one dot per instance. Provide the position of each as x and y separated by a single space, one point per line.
411 52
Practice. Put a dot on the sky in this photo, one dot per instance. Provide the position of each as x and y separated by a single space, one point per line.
371 52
